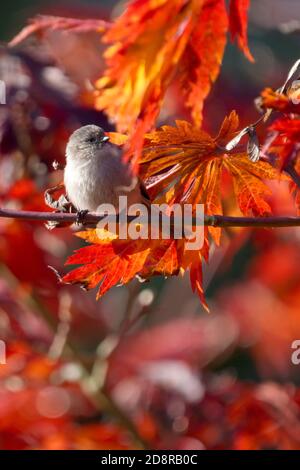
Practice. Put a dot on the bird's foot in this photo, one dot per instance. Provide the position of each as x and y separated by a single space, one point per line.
80 216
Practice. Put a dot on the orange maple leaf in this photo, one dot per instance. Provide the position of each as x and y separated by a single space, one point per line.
111 261
184 165
153 43
285 103
202 59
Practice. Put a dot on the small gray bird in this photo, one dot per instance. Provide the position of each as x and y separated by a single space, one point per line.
96 174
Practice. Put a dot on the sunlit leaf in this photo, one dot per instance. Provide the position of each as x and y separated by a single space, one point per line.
182 40
238 24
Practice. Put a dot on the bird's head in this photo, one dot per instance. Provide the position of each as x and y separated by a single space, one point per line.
84 143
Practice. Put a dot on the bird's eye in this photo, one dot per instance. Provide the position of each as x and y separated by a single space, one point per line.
92 139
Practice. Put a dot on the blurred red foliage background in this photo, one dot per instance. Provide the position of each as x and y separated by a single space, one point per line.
145 366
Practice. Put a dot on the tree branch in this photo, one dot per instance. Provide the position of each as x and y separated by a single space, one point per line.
209 220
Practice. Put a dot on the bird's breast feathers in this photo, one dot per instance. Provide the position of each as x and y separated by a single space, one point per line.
92 183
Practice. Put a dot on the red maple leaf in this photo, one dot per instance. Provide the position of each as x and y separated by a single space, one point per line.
238 24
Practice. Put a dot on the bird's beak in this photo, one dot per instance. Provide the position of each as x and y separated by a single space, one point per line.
104 139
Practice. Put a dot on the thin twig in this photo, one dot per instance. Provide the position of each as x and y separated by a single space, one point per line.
209 220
